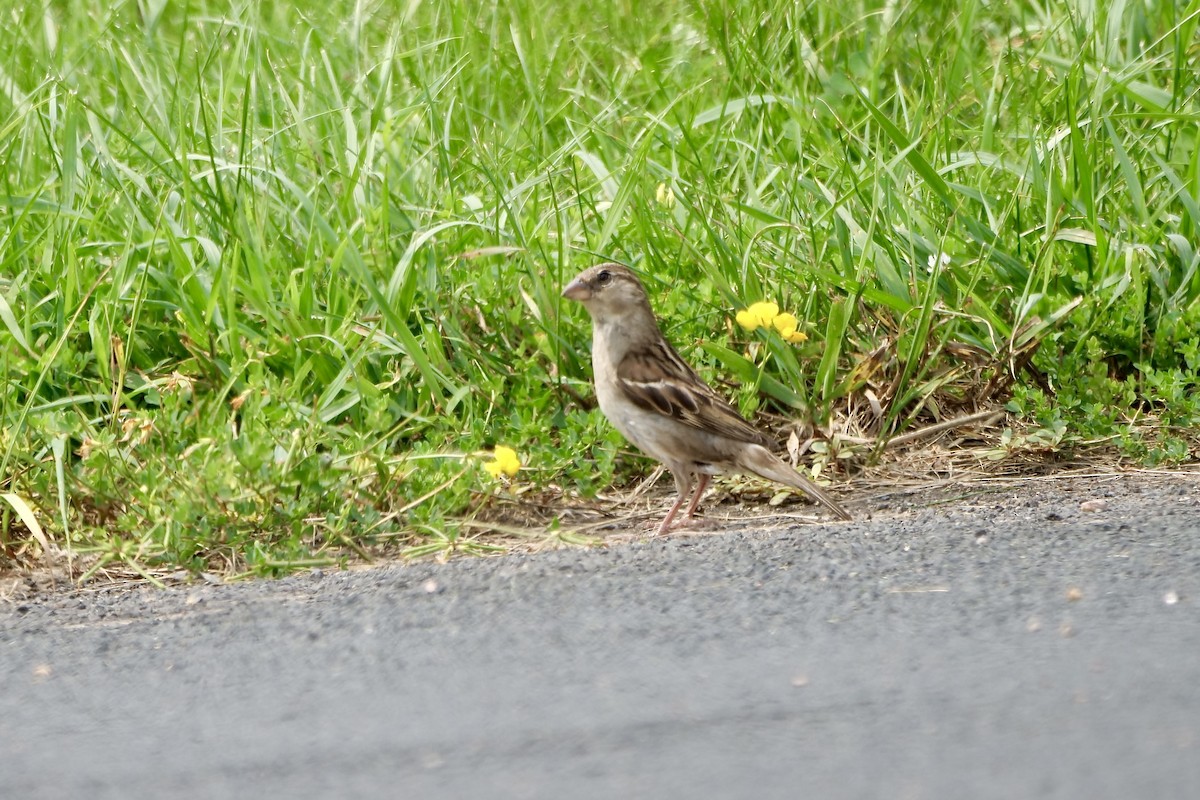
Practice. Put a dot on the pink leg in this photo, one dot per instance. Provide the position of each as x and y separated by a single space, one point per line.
683 485
666 523
691 509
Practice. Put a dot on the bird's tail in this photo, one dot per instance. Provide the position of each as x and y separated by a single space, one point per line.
765 464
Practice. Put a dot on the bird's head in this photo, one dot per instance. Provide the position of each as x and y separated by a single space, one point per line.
607 290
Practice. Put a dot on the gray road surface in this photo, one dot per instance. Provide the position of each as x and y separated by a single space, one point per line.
1009 645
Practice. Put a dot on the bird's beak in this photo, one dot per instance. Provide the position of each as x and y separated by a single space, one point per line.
577 290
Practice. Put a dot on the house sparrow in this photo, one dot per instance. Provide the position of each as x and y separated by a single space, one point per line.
660 404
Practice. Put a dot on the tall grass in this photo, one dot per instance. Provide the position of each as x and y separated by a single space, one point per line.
273 280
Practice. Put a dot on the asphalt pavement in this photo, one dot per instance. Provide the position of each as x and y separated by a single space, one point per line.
1034 641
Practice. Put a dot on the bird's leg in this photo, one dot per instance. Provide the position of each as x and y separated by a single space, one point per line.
700 487
683 484
666 523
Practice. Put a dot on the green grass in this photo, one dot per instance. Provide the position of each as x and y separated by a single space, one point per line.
273 281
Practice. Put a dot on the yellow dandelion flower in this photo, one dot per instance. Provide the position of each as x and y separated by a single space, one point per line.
504 461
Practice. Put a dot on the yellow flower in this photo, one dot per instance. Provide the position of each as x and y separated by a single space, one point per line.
765 314
504 461
786 324
795 337
665 196
758 315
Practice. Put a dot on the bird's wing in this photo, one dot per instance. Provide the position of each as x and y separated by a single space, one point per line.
655 378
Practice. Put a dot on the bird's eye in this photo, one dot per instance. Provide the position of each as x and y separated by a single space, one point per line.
604 277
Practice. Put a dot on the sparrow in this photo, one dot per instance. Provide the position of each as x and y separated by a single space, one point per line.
659 403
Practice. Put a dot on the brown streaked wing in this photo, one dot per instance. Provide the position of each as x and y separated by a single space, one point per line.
657 379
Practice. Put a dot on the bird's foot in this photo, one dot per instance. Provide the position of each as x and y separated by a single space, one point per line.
688 524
